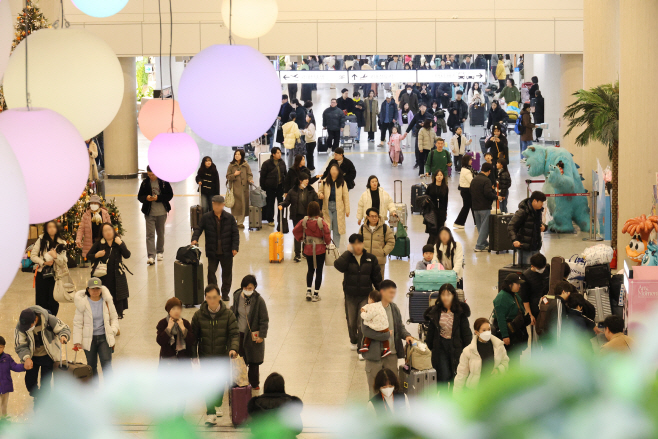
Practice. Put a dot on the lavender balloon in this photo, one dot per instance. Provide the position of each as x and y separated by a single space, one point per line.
229 95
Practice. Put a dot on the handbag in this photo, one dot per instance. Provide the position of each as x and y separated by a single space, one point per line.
520 321
229 198
101 268
418 356
121 288
64 287
48 272
331 254
239 372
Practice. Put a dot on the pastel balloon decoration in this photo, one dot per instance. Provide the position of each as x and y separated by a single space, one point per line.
173 156
15 219
53 157
250 18
72 72
155 117
222 111
6 35
100 8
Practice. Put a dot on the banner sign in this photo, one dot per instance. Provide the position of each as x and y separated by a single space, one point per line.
372 76
474 75
313 76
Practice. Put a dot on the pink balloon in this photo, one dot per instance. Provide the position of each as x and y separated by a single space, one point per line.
173 157
155 117
53 157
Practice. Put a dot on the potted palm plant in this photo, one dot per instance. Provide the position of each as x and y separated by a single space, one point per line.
596 112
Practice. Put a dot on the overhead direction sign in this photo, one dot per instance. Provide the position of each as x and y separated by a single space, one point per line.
366 76
313 76
447 75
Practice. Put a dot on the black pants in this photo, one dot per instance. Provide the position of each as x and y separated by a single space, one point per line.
43 292
422 158
253 372
466 206
538 133
315 271
501 84
310 160
431 238
333 139
353 305
386 127
371 135
45 363
272 196
226 261
443 367
416 150
292 94
458 163
298 244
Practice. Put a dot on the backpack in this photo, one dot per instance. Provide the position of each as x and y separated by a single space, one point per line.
189 255
312 240
518 126
548 307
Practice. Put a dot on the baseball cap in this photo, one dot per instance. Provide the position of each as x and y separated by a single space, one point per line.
94 282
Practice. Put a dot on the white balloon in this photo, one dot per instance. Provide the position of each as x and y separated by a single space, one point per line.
250 18
6 35
14 216
70 71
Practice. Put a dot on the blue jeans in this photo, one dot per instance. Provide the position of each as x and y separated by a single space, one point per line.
524 145
503 205
482 223
99 349
333 215
206 203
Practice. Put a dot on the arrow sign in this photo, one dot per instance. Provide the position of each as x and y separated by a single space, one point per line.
285 76
354 76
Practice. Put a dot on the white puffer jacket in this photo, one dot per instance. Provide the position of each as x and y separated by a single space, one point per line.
457 258
83 322
470 363
365 203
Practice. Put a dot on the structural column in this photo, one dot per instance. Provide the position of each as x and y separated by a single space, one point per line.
571 80
637 145
120 136
600 65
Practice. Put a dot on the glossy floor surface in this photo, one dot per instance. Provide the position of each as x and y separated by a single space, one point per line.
307 342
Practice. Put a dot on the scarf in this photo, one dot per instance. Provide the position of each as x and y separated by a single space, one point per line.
96 217
176 337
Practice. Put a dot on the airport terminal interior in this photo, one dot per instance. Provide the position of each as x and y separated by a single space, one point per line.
220 77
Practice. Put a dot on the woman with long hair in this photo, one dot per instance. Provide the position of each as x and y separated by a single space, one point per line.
299 198
309 132
475 95
207 178
438 193
49 257
295 171
449 253
465 178
405 116
334 190
318 235
448 334
497 145
111 250
239 178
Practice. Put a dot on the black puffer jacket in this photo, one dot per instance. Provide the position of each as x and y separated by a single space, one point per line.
269 177
359 279
333 119
292 178
461 107
292 200
496 116
349 171
228 229
504 182
267 402
534 287
482 192
525 226
214 337
166 194
461 335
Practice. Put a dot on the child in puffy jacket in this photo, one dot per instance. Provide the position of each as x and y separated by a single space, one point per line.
7 364
374 317
394 146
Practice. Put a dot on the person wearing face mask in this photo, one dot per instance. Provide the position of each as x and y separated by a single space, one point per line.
410 98
89 230
486 355
298 198
535 286
253 322
174 334
388 398
49 257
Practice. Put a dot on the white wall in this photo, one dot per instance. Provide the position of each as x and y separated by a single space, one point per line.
547 68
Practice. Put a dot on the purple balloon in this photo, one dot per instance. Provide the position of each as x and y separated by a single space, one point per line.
173 156
229 95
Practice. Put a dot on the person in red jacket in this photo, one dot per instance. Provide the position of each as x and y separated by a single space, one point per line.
315 234
174 334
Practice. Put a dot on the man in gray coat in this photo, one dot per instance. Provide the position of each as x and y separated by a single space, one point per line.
397 333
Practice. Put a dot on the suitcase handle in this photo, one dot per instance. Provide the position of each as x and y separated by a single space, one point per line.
395 191
63 361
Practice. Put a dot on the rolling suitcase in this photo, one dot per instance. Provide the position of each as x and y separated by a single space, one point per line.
432 280
257 197
507 269
262 158
597 276
499 240
477 159
417 383
557 272
255 218
402 247
239 399
322 143
77 370
417 190
195 214
419 302
477 115
276 245
400 207
600 298
186 276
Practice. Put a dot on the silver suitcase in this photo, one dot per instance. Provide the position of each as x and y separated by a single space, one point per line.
262 158
255 218
418 383
600 298
400 207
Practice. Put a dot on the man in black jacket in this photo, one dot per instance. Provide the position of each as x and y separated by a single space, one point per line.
482 195
345 102
535 286
155 195
272 175
333 120
459 107
222 243
361 274
300 113
526 226
345 165
415 126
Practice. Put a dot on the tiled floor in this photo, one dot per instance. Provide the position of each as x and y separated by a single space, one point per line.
307 342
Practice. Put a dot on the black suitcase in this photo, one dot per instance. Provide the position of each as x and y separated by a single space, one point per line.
616 281
185 277
417 190
597 276
322 144
507 269
419 302
499 240
477 116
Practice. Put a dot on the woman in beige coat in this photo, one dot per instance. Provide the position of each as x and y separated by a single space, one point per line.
239 177
371 109
378 238
336 201
92 149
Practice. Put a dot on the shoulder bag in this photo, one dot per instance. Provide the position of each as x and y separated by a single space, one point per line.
229 199
518 325
101 268
332 254
64 287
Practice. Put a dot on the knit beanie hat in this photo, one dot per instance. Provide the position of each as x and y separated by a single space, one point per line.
174 301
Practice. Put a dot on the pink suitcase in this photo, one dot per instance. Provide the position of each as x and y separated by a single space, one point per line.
239 398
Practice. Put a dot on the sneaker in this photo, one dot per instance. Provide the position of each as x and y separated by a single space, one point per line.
298 258
219 412
522 160
486 249
150 261
226 299
361 358
364 349
309 295
271 224
211 420
457 226
316 297
353 347
386 353
160 256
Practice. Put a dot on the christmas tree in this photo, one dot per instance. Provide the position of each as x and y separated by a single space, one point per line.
29 20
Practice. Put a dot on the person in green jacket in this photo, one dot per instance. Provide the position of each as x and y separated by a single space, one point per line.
438 158
507 306
216 336
510 93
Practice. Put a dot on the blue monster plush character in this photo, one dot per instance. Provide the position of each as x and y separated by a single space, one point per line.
562 177
651 255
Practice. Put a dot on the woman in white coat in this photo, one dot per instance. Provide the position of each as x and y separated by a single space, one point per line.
95 325
376 197
449 253
485 355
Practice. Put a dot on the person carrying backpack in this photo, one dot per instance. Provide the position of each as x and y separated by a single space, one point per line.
315 234
552 311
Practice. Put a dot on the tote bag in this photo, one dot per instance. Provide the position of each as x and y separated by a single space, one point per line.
229 199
